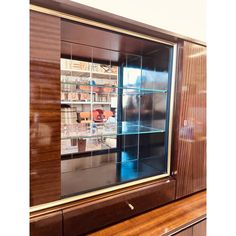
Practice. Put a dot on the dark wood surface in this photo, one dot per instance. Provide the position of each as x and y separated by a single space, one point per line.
84 218
165 220
77 9
79 39
47 225
45 185
176 107
199 166
190 154
189 142
45 37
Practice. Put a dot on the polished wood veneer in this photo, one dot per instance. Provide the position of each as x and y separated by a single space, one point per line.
188 160
166 220
81 219
75 38
45 185
198 229
45 36
46 225
186 232
190 132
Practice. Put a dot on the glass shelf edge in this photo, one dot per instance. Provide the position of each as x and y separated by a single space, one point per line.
112 134
86 71
116 87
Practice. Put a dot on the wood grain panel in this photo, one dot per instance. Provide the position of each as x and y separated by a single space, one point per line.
44 37
165 220
88 217
45 181
199 170
47 225
44 108
101 39
190 131
186 232
199 229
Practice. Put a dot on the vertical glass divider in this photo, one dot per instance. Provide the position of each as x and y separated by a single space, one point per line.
105 139
153 104
70 63
91 93
91 104
124 110
139 90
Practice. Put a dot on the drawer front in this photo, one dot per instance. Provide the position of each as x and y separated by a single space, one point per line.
91 216
47 225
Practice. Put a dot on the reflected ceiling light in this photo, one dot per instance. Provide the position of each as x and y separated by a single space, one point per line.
198 54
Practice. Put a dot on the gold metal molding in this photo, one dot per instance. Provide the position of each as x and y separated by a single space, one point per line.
96 24
62 202
172 95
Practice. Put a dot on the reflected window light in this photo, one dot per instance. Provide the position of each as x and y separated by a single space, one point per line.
132 76
198 54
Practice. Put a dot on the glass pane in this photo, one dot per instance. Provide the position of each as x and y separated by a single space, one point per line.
114 113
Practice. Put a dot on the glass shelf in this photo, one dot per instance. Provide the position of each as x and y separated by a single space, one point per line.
84 73
85 103
130 89
94 130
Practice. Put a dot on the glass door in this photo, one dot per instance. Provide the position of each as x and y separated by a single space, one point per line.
114 115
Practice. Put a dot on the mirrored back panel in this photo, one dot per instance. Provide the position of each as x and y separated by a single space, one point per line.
115 107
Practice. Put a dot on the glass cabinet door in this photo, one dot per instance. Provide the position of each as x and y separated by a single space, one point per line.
114 115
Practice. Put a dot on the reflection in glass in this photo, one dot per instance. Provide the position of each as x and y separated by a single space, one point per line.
113 117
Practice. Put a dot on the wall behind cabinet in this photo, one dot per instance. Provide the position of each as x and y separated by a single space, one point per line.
162 14
45 31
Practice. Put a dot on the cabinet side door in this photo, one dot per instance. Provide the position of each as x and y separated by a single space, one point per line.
45 47
190 139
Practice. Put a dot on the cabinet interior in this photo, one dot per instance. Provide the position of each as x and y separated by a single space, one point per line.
115 106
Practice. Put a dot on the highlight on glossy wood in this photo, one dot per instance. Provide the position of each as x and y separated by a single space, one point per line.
190 131
45 44
166 220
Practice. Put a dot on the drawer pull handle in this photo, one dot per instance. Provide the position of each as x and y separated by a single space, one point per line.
130 206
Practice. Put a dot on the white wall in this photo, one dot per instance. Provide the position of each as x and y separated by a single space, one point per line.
185 17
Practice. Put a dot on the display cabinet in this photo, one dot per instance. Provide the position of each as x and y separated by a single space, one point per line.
115 109
117 115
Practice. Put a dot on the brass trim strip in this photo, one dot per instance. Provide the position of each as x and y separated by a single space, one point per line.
96 24
172 93
119 30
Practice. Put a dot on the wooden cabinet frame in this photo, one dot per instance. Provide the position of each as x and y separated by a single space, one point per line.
185 176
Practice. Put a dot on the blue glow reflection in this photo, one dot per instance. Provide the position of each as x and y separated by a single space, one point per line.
128 168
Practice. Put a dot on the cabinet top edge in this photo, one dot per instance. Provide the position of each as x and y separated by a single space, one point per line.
79 10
